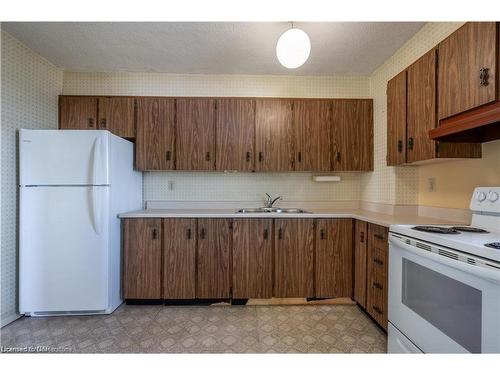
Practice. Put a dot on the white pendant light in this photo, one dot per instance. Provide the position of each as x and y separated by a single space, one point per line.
293 48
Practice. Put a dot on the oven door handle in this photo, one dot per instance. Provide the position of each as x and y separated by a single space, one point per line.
475 270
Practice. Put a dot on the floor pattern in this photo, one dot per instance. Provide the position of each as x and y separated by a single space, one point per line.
201 329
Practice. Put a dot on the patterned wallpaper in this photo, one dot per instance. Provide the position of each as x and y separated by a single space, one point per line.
30 86
229 186
397 185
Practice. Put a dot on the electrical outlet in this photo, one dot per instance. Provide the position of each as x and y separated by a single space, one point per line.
431 184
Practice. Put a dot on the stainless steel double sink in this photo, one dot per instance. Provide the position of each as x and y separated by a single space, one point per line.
272 210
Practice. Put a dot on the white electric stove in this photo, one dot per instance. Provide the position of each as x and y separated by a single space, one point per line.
444 283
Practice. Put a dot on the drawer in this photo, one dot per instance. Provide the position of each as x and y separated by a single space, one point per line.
378 236
377 304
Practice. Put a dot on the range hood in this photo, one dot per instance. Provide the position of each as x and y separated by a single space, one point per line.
481 124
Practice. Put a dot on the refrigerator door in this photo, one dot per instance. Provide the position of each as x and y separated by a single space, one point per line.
63 157
63 252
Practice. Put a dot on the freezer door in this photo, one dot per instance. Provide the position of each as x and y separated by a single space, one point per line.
63 252
63 157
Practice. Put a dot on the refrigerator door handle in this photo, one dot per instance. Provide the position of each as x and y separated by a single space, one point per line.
97 159
96 207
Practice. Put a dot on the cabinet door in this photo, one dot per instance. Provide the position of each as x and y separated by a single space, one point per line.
333 265
396 120
274 135
461 57
312 124
179 259
294 248
213 259
196 134
252 258
117 115
360 258
77 112
142 259
421 108
235 132
352 134
376 298
155 134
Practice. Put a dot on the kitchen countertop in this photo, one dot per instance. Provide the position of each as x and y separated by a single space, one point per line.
369 216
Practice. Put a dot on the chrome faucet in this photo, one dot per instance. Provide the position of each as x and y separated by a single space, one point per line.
270 201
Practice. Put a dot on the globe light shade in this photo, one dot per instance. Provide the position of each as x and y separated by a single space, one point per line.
293 48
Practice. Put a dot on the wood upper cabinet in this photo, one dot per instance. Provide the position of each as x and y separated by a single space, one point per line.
352 124
377 272
252 258
312 123
333 260
396 119
142 258
77 112
235 134
294 253
214 258
195 146
155 143
274 135
467 69
116 114
179 258
360 259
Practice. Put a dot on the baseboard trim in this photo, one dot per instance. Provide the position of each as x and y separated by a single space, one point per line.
9 319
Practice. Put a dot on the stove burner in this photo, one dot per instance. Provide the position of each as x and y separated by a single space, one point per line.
493 245
433 229
470 229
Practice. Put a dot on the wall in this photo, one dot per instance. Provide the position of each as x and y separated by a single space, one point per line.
30 86
229 186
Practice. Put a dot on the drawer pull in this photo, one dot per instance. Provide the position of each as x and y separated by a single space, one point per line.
261 157
91 122
247 157
266 234
378 286
154 233
322 234
379 236
483 76
103 123
202 233
300 157
378 261
377 309
362 237
280 234
168 155
207 156
188 234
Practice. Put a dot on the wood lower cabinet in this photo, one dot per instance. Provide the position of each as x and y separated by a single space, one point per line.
252 258
377 272
294 258
274 135
396 119
235 134
467 73
179 258
333 258
116 114
78 112
142 258
155 143
195 133
360 261
214 258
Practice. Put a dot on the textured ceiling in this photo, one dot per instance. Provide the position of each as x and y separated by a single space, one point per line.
337 48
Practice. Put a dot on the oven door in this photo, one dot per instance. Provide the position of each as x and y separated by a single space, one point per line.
441 304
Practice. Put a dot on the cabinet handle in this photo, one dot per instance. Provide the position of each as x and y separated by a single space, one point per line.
280 234
247 157
207 156
261 156
266 234
377 285
377 309
483 76
202 233
299 157
411 141
379 236
400 145
102 123
322 234
91 122
378 261
168 155
188 233
362 237
154 233
338 157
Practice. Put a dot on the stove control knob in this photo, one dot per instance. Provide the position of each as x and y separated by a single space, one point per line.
480 196
492 196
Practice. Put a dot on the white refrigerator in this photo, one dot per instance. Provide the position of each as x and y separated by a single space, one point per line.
73 183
